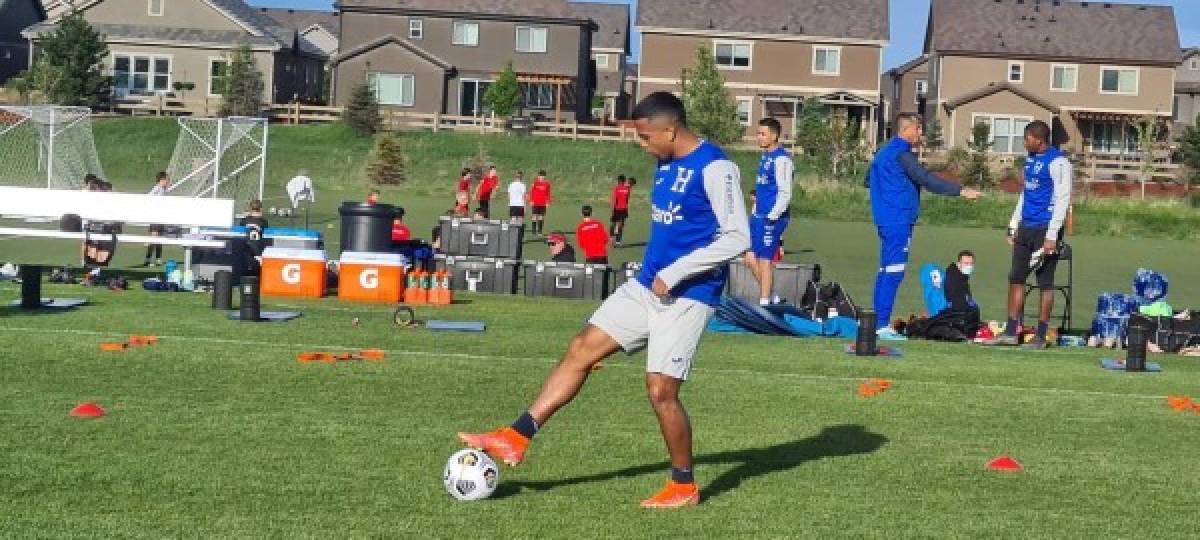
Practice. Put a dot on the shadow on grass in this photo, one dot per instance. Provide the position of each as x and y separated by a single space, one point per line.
831 442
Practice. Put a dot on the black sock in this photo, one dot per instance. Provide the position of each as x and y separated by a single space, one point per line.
526 425
1010 329
682 476
1043 327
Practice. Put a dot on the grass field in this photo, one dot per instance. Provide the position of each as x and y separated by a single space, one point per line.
218 432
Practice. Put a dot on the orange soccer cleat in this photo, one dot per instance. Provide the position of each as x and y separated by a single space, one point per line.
504 444
675 495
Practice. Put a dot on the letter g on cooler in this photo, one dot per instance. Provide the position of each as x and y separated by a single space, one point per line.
369 278
291 273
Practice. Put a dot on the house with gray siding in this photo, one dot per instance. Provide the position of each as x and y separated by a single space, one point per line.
15 16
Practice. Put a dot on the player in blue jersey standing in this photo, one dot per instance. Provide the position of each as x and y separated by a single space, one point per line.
1036 230
895 180
698 224
772 197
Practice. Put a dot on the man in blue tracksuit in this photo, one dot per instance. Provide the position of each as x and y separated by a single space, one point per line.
895 180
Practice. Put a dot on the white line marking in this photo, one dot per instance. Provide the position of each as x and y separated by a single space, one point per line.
465 356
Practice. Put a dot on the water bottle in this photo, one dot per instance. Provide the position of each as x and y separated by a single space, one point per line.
864 344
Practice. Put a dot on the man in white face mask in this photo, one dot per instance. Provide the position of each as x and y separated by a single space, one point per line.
958 284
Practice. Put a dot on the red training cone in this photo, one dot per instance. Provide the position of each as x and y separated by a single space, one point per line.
87 410
1004 463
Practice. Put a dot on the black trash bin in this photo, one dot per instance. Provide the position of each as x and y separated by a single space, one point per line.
367 228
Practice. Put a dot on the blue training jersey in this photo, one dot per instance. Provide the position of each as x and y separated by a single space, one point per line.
682 221
1038 207
766 186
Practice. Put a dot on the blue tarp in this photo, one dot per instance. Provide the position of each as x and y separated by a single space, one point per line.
739 317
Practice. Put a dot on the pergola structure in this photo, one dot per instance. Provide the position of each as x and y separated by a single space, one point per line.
784 105
559 82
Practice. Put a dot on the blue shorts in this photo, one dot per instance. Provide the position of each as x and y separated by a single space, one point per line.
765 237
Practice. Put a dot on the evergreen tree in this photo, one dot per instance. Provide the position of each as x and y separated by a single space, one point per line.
933 134
711 112
362 113
978 172
67 69
389 164
1189 150
242 94
503 97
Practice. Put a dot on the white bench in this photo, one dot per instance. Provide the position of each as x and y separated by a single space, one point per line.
40 203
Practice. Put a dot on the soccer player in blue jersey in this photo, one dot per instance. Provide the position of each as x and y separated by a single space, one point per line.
895 180
772 197
698 224
1036 230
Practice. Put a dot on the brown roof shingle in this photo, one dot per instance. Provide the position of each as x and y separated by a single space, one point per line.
1100 31
612 21
301 19
554 9
844 19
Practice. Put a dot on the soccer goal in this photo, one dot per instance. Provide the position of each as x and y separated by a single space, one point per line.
224 158
47 146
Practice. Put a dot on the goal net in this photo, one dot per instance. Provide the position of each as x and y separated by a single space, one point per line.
224 158
47 146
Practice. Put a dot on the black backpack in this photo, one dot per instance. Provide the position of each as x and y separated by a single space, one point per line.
822 301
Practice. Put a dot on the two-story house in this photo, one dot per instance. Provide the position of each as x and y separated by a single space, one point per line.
904 90
773 54
1090 69
434 56
610 53
1187 90
153 44
15 16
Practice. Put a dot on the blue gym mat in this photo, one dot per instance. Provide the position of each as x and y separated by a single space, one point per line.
268 316
1113 364
55 303
456 326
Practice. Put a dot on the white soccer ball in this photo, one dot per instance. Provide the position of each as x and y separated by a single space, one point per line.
471 475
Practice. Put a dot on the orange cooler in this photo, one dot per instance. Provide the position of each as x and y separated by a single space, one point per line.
371 277
293 272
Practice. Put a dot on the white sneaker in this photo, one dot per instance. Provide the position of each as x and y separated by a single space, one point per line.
764 302
888 334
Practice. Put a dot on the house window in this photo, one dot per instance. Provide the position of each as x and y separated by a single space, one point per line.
827 60
1064 78
1016 72
922 89
539 96
1119 81
218 68
154 8
466 34
743 110
730 55
416 28
531 40
393 88
1194 64
601 61
141 74
1008 132
1175 108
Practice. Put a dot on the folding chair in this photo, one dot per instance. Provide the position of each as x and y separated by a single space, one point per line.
1065 255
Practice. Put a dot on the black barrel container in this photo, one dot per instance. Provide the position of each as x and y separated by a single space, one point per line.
864 344
250 308
367 228
222 294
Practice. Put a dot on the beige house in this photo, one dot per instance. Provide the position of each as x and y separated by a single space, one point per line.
772 53
905 88
440 56
1187 90
15 16
1090 69
610 53
154 44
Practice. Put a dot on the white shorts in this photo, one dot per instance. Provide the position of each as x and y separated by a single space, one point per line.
669 330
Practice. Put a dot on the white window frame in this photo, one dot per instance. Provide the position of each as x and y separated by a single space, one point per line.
162 8
1075 87
211 59
733 54
598 57
1137 80
1015 146
1008 74
533 48
454 33
150 74
827 48
749 100
416 28
918 91
412 99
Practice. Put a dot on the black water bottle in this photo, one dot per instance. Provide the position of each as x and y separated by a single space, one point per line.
31 286
1135 357
249 308
222 293
864 344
